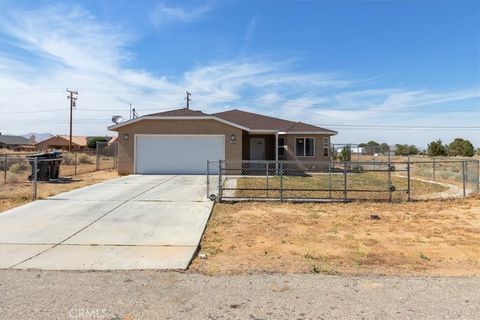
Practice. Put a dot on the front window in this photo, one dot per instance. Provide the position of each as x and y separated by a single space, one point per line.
281 147
304 147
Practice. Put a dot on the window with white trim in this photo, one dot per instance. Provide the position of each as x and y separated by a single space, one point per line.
304 147
326 146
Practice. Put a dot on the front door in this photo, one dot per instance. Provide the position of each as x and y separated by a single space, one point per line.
257 148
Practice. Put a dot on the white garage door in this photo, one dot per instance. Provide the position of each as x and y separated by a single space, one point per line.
177 154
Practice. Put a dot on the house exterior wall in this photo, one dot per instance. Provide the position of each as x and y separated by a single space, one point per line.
126 148
318 147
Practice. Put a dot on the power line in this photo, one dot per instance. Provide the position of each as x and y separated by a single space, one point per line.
84 109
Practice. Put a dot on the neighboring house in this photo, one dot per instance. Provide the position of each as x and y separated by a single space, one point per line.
354 150
61 142
181 141
15 143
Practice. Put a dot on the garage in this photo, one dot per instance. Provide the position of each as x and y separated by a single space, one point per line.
176 154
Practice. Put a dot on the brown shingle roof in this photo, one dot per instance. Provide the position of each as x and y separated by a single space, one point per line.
249 120
184 112
256 121
78 140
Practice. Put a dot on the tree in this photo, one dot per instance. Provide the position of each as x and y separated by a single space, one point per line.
92 142
461 147
436 148
345 154
372 147
406 150
384 148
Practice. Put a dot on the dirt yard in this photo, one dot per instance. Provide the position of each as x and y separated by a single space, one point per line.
23 191
420 238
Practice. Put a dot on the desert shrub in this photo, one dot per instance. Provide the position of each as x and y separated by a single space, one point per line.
84 158
10 162
18 167
15 178
68 159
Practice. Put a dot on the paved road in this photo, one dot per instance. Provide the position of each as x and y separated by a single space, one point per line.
30 294
134 222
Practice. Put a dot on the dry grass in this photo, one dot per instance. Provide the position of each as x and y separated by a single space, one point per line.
374 184
23 190
421 238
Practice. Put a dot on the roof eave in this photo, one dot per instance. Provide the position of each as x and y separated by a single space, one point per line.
327 132
233 124
116 126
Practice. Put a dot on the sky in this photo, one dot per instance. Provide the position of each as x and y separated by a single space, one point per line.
391 71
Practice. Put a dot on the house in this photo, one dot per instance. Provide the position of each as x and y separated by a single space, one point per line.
62 142
15 143
354 150
181 141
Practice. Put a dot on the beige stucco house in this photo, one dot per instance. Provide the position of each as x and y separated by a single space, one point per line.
181 141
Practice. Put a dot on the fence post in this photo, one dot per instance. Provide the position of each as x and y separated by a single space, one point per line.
208 179
408 181
463 178
219 180
75 161
389 181
466 176
5 167
345 181
433 169
478 177
266 164
330 180
281 181
97 164
35 178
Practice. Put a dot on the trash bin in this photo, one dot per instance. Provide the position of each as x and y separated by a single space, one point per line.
48 165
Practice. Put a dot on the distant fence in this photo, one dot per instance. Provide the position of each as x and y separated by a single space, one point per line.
230 180
17 180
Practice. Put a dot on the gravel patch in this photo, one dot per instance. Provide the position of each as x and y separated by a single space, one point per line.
33 294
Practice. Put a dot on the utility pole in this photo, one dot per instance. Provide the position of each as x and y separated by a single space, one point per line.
130 111
188 99
72 97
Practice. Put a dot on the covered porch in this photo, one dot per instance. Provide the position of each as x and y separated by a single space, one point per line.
263 146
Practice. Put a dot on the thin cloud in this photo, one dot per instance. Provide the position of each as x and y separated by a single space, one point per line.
249 34
165 14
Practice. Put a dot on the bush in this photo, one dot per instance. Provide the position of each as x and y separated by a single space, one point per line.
436 148
68 159
14 178
19 167
345 154
406 150
84 158
92 142
461 147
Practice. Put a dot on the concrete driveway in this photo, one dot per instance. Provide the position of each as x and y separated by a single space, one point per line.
134 222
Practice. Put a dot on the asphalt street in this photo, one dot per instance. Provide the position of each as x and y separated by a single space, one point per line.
33 294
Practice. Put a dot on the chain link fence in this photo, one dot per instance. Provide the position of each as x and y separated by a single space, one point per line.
19 183
232 180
